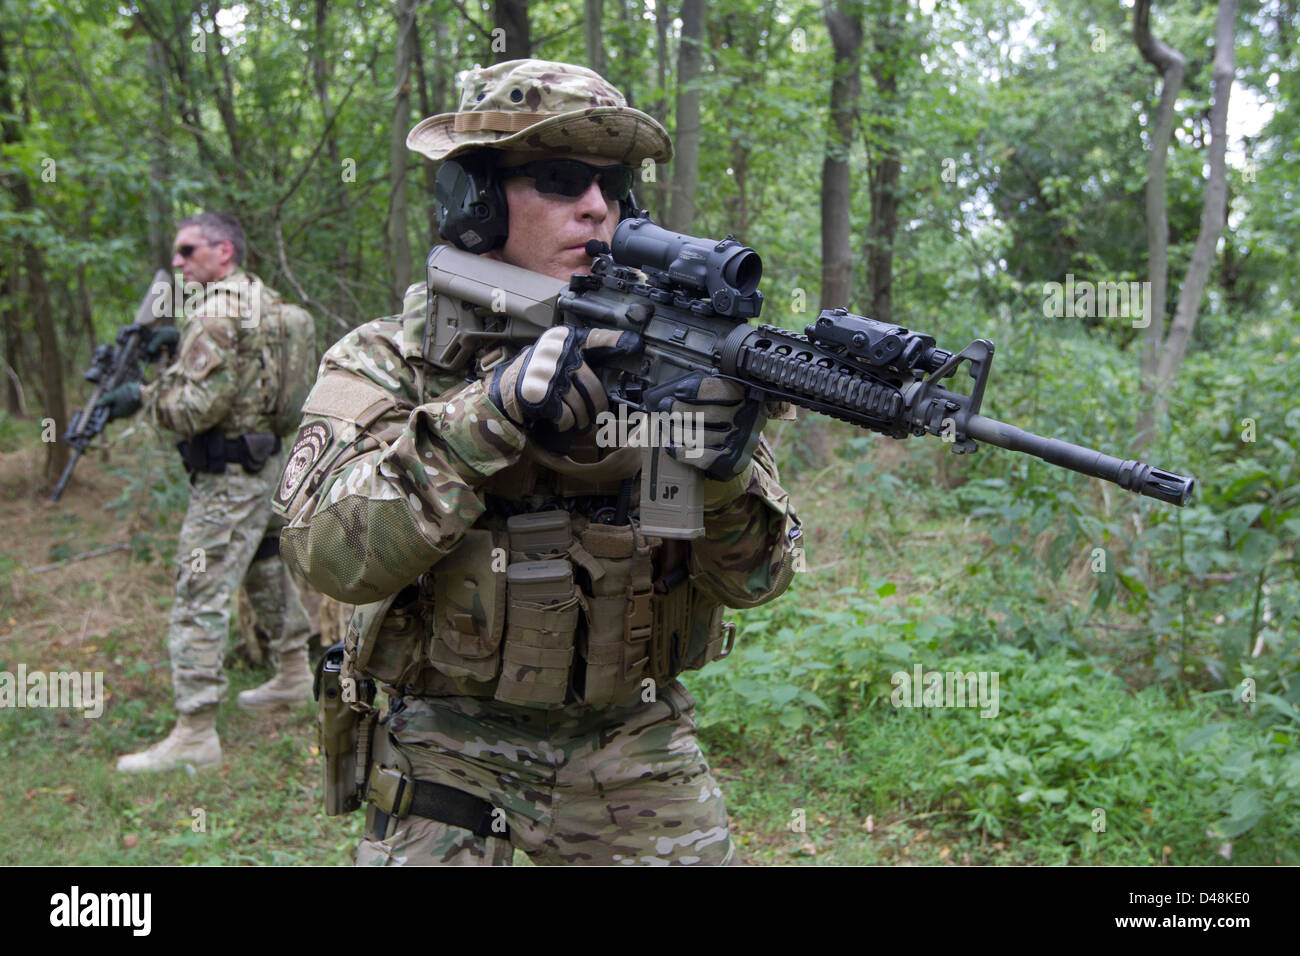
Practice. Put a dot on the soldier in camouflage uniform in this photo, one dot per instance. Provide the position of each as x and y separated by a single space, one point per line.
218 396
515 724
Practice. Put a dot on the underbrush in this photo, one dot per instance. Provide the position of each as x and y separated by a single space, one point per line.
1071 764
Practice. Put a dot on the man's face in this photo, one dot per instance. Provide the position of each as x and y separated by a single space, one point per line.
548 232
208 261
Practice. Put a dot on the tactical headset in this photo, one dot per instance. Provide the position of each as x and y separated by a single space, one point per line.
471 203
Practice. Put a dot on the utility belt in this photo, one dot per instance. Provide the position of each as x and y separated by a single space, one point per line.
209 452
359 762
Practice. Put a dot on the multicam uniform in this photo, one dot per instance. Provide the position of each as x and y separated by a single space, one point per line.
403 492
219 385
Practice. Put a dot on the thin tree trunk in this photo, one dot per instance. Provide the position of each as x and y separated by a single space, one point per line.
594 14
55 405
844 23
399 242
427 166
1172 66
511 16
160 213
883 164
659 108
13 361
686 165
1213 216
629 11
320 72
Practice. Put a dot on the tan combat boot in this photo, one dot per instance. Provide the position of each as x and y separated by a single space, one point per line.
291 685
192 741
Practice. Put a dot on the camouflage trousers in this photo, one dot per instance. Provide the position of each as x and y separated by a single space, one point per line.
622 785
228 516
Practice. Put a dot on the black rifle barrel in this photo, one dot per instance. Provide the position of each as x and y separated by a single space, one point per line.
67 473
1129 474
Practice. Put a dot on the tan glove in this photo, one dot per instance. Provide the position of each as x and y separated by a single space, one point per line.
722 425
550 387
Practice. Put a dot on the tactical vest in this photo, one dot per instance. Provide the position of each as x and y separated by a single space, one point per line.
543 605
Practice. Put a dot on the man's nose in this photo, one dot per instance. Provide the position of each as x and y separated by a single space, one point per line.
592 204
178 260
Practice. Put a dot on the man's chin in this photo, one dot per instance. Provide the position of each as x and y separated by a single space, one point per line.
576 261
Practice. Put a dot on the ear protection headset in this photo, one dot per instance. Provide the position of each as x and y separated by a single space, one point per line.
471 203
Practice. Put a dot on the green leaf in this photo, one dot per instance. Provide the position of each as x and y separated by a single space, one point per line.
1200 737
793 719
899 651
1279 704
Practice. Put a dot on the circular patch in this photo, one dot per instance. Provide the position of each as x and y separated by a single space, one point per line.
311 444
199 358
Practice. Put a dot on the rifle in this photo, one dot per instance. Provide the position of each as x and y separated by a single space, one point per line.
111 366
690 299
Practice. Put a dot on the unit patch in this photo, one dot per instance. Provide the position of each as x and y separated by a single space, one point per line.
312 441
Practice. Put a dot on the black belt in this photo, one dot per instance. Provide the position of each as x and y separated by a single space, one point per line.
433 801
209 452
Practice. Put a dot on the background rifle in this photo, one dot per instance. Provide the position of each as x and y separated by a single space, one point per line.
690 299
114 365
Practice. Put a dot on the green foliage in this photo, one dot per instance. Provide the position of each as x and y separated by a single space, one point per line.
1131 637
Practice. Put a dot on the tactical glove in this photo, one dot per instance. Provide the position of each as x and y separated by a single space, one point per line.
550 387
121 401
164 338
720 426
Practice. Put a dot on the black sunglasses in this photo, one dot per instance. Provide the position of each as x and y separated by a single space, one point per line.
187 250
572 177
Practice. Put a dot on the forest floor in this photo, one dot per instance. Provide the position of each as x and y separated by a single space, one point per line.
860 786
108 613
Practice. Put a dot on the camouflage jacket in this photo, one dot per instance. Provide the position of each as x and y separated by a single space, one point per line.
393 458
219 379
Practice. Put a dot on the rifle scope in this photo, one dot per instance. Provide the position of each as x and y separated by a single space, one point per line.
725 270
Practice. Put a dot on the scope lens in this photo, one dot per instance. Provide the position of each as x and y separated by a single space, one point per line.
744 272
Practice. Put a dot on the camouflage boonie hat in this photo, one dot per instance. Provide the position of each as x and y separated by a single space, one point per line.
545 106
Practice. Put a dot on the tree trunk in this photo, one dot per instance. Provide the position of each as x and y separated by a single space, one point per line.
320 74
659 108
686 165
160 211
594 10
427 166
55 406
627 60
399 242
511 16
844 23
9 296
1172 66
883 164
1172 349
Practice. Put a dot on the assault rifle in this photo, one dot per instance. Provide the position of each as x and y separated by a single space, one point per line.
691 299
113 365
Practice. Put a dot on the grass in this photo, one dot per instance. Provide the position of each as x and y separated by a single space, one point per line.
817 766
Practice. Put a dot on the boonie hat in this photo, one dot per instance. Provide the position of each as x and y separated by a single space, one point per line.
545 106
